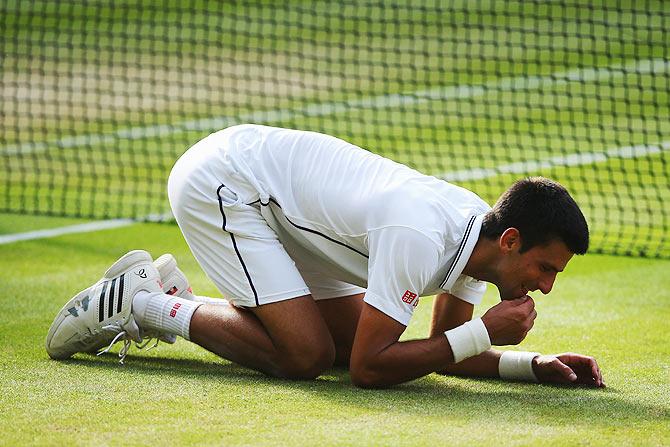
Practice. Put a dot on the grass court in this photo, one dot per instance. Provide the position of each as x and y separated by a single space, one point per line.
99 101
614 308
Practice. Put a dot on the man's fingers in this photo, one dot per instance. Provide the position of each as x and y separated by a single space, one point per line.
528 303
587 367
522 301
597 373
592 366
602 381
530 319
525 307
566 372
600 374
518 301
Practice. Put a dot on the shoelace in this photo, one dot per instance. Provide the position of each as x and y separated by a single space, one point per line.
127 342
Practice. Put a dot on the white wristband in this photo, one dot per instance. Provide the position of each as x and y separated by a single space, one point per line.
468 340
517 365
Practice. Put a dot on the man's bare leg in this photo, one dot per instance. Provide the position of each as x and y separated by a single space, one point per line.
285 339
341 316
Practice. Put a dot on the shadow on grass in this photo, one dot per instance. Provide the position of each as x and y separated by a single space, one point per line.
430 396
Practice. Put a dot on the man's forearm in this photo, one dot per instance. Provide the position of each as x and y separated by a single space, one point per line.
403 361
450 312
482 365
378 359
409 360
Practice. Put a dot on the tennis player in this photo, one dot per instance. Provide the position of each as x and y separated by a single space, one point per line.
323 250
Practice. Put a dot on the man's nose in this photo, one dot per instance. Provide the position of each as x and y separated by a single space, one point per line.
546 284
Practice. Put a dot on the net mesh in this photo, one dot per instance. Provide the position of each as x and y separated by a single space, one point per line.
99 98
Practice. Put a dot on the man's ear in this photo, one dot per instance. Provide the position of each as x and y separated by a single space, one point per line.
510 240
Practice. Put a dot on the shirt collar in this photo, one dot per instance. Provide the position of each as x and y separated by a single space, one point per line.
470 238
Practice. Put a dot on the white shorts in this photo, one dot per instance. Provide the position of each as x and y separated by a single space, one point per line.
219 215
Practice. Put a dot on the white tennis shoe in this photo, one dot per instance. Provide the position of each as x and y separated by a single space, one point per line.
174 280
102 314
174 283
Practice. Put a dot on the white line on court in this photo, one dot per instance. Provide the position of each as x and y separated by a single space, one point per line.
80 228
70 229
576 159
640 150
509 84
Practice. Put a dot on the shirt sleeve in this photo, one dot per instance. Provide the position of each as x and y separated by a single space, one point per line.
402 262
468 289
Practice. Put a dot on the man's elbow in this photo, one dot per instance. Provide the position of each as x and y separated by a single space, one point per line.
364 377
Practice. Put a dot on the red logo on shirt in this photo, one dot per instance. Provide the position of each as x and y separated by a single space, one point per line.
408 297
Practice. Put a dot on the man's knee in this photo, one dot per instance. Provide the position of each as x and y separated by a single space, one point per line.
306 362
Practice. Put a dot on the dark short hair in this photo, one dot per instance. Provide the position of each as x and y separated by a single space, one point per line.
542 210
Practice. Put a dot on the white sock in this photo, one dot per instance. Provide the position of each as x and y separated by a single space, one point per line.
209 300
165 313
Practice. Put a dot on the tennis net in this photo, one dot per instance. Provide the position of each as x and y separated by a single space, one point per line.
99 98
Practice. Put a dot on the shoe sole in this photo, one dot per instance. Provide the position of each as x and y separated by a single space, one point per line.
119 267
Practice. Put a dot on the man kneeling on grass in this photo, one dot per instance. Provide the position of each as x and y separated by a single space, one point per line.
322 251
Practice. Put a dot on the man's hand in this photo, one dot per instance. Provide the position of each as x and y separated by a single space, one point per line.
568 369
509 321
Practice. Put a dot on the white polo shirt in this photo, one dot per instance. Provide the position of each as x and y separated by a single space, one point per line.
358 217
